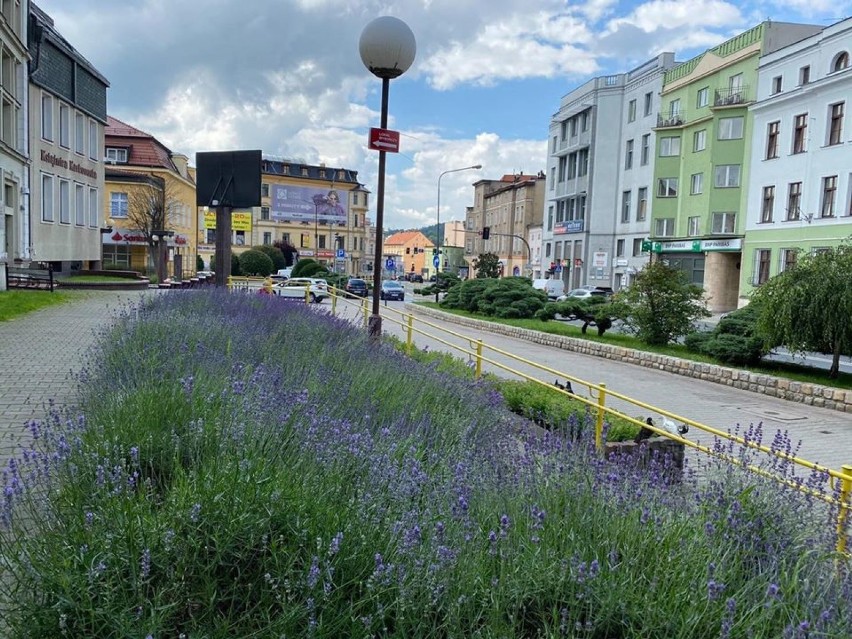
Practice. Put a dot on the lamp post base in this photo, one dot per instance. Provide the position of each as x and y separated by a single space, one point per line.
374 328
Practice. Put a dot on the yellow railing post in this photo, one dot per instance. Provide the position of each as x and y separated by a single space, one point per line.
366 313
230 283
599 422
845 506
308 293
333 302
478 370
409 341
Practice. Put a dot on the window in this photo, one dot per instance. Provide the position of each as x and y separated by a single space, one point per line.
584 121
669 146
79 205
321 243
723 223
829 196
93 140
773 131
694 226
47 117
64 126
80 134
94 222
727 176
646 149
573 124
47 198
264 190
552 149
64 202
776 85
835 126
703 97
664 227
552 178
117 204
631 111
582 162
804 75
674 108
116 155
637 247
800 130
731 128
788 258
699 140
267 238
768 205
619 248
550 218
264 213
761 266
642 204
564 130
667 187
696 184
625 207
794 200
628 155
841 61
649 97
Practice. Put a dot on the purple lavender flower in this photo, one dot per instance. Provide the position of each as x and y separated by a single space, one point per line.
145 564
334 546
195 512
314 573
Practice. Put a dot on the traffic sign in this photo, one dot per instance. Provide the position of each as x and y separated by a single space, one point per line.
341 254
390 264
384 140
436 260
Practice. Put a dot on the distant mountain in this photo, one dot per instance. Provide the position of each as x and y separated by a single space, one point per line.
428 231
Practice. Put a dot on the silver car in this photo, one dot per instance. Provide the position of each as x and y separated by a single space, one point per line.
295 288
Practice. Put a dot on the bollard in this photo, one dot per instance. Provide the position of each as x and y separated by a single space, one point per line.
478 371
409 342
845 499
600 419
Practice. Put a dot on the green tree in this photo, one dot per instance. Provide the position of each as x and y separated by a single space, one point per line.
808 307
254 262
660 306
307 267
290 252
487 265
275 254
199 263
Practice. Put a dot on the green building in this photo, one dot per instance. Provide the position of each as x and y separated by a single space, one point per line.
703 142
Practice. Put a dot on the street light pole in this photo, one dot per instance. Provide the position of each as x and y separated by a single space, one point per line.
438 216
387 49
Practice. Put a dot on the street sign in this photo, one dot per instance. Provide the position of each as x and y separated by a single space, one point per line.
390 264
436 260
384 140
341 254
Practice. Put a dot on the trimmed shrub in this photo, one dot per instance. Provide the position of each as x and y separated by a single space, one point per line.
255 262
507 298
733 340
275 254
307 268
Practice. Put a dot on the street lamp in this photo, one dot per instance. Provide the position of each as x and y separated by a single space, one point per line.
438 228
387 48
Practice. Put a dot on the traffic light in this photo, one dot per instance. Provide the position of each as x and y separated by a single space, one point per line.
434 251
486 232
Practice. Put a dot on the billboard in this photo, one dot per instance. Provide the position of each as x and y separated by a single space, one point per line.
307 204
240 220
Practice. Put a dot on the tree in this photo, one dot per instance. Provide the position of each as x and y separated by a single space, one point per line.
487 265
151 205
199 263
255 262
291 253
275 254
808 307
660 306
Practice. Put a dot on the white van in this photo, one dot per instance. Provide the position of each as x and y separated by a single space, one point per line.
553 287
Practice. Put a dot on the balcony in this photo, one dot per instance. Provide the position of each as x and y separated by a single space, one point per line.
738 96
669 120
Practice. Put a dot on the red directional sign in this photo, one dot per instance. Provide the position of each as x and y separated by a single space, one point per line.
384 140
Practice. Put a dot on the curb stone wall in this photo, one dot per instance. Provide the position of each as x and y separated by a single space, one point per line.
804 393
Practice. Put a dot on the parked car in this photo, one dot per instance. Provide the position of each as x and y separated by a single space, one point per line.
356 286
552 287
294 288
414 277
585 293
392 291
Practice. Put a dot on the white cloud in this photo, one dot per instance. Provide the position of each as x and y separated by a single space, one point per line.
659 15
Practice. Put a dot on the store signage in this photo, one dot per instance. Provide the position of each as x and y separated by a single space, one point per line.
240 220
722 245
568 226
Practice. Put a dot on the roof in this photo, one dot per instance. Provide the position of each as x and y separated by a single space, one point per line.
399 239
143 148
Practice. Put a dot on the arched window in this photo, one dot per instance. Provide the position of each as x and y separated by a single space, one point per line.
840 62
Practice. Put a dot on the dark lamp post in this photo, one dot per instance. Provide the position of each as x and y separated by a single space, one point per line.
387 48
438 215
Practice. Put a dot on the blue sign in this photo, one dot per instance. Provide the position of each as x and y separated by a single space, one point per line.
390 264
341 254
568 226
436 260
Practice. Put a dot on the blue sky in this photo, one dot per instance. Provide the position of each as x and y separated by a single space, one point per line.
286 76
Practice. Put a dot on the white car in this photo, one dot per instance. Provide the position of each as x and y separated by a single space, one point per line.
583 293
295 288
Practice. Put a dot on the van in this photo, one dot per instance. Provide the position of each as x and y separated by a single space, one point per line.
552 287
285 272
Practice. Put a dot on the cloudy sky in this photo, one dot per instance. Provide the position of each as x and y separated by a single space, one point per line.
285 76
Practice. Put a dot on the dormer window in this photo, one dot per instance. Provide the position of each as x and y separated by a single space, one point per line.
840 62
116 155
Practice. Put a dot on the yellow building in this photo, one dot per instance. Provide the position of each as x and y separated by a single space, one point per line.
149 203
319 210
412 252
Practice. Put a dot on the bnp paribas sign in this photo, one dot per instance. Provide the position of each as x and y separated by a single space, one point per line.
694 246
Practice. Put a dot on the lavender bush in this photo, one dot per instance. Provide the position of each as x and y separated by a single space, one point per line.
242 466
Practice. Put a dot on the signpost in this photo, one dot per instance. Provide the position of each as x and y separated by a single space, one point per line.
384 140
390 264
436 261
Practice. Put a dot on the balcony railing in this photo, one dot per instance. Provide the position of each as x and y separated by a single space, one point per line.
731 97
670 119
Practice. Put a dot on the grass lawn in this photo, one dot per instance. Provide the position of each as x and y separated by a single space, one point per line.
777 369
16 303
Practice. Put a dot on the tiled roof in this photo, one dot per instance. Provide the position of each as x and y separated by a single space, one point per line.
399 239
143 148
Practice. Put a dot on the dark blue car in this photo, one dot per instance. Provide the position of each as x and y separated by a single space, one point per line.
392 291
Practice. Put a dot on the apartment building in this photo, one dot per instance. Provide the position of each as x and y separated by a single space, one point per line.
702 154
66 117
800 195
598 176
509 207
14 176
411 252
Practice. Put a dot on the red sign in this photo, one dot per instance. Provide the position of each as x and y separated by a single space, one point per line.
384 140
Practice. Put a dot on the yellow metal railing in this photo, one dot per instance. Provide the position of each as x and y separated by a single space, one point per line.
840 482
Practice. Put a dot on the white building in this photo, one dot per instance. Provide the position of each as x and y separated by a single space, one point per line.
800 179
600 156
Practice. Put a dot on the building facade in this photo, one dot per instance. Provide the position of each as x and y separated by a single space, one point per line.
66 114
800 195
509 207
411 252
702 157
14 152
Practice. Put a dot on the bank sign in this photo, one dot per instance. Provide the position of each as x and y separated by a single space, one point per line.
568 226
307 204
696 246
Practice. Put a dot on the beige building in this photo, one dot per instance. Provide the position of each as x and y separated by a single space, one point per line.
509 208
454 234
412 252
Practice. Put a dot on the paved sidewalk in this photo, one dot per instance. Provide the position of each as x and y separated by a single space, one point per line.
40 351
